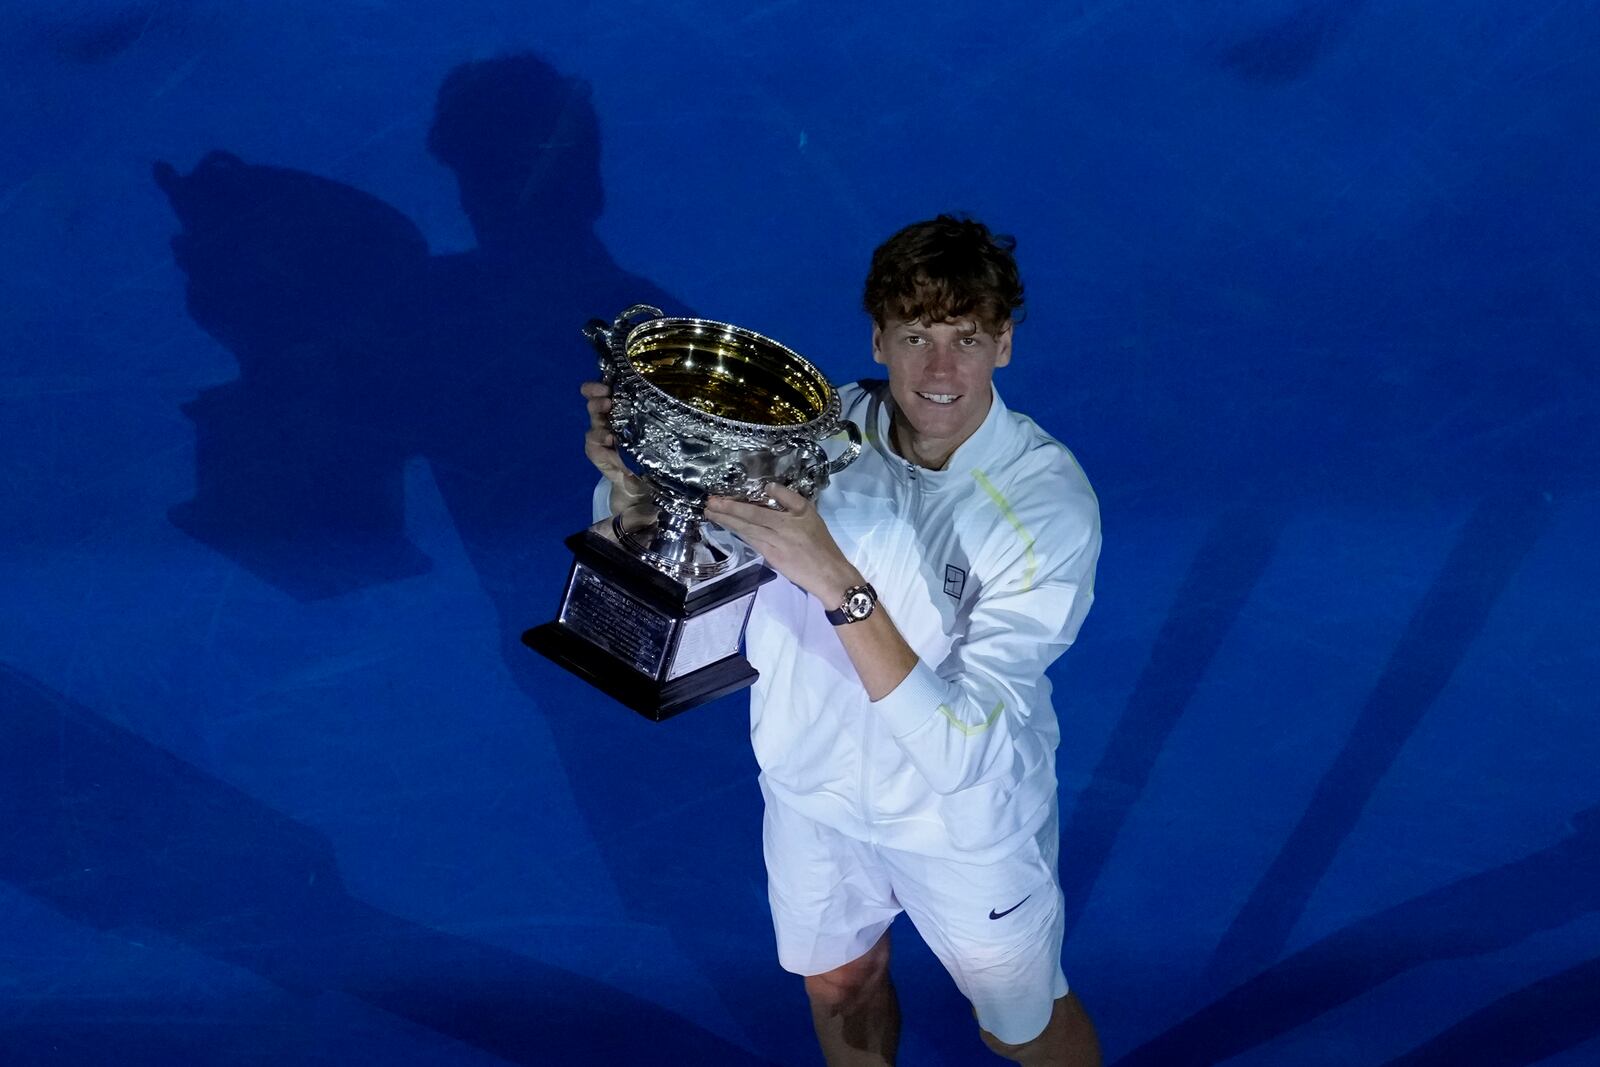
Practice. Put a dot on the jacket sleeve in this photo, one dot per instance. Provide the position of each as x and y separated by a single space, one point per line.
968 720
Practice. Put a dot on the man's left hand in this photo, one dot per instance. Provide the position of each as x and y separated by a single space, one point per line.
795 541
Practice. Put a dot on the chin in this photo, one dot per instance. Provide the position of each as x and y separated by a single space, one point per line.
949 414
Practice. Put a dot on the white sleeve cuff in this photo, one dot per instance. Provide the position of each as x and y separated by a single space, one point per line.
910 704
602 501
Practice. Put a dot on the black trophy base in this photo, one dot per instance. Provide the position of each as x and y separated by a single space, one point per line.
652 699
655 644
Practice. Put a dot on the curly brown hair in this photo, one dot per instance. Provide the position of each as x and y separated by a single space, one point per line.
944 270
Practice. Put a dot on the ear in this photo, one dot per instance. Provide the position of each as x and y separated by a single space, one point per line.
1002 350
877 344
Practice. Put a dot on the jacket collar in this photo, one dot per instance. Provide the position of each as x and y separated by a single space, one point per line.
987 442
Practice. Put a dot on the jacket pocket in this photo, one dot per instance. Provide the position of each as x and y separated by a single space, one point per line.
982 816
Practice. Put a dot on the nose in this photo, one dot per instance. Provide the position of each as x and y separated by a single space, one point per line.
941 361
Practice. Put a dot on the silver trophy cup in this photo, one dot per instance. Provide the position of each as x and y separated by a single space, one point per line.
656 602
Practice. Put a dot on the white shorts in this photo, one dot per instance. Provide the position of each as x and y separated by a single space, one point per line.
996 927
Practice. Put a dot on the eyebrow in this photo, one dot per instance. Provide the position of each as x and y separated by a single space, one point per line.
970 325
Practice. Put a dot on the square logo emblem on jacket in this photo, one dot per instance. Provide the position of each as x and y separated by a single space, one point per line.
955 580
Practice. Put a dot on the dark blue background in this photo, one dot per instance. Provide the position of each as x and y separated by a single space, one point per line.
1311 297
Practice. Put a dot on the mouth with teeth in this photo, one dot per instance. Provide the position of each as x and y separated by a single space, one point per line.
940 398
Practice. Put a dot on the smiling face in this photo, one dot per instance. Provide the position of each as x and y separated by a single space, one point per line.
939 376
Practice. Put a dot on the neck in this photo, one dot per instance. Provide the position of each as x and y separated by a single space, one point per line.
906 446
929 453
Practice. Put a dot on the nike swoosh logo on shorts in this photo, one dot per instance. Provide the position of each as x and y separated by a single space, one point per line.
1002 914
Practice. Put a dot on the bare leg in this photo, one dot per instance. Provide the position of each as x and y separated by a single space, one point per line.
1068 1040
855 1011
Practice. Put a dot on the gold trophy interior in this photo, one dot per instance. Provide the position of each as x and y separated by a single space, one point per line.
727 375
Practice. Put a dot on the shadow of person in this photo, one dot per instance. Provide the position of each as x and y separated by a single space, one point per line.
115 833
355 358
314 287
1477 915
505 346
357 351
506 355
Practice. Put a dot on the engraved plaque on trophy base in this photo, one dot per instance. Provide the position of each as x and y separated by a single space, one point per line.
656 644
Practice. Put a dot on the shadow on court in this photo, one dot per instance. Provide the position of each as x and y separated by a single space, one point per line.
117 834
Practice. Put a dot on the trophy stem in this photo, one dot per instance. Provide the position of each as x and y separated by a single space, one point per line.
676 544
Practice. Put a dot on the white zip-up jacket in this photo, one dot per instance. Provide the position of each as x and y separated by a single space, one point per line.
987 569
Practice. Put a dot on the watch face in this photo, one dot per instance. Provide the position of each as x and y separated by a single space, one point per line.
859 606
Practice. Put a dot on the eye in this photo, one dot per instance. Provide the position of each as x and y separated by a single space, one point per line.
914 340
968 342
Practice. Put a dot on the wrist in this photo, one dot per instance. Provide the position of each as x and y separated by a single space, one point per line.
626 493
838 582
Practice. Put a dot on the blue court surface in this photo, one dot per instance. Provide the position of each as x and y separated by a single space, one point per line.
289 444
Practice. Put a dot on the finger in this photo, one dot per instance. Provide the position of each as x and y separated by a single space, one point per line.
599 402
756 536
786 498
632 486
736 524
738 510
606 459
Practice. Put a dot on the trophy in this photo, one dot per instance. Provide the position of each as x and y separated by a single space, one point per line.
656 602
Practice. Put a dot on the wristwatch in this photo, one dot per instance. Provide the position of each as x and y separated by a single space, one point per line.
858 604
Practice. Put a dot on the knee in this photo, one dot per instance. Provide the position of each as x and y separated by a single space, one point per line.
1068 1038
839 988
1021 1049
1000 1048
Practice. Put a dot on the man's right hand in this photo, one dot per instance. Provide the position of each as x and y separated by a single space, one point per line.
600 445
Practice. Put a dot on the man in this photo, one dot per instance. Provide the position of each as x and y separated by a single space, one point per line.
902 719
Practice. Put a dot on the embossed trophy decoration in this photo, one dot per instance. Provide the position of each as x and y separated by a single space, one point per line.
657 599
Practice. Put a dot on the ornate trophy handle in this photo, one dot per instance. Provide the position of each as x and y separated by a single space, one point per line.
854 433
814 477
606 340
